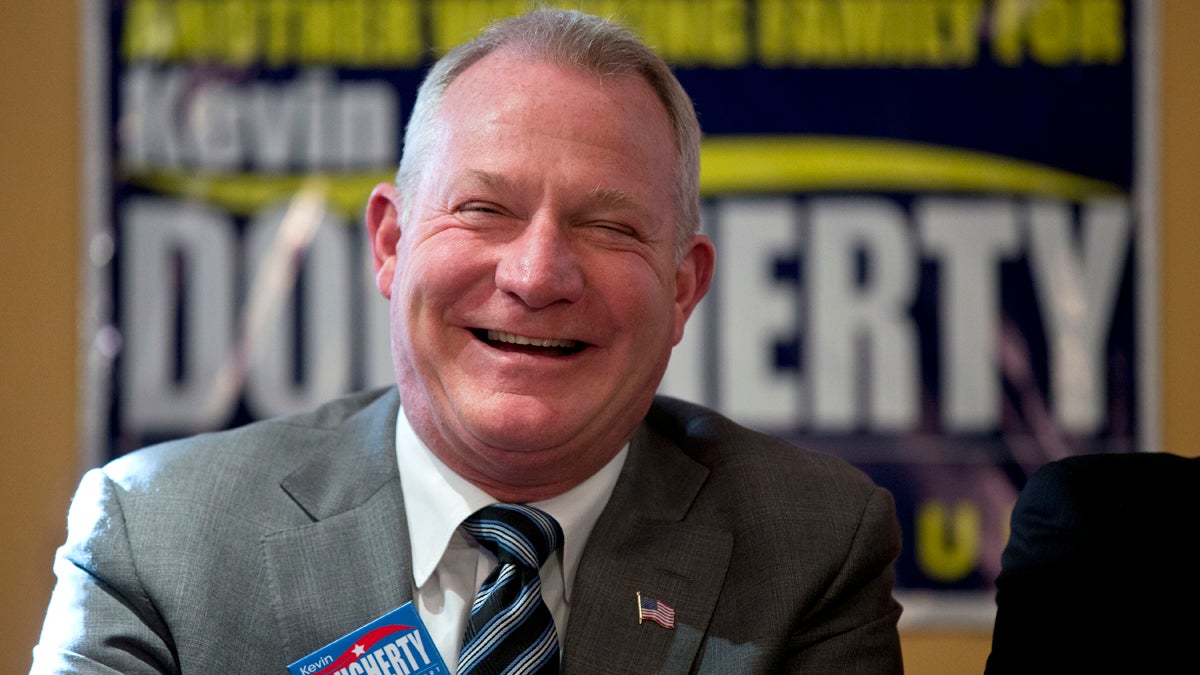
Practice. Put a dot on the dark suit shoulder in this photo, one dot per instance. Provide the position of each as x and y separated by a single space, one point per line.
1099 567
1112 490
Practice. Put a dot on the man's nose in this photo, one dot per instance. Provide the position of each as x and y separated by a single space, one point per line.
540 266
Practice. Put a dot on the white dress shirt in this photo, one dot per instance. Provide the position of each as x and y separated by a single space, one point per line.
449 567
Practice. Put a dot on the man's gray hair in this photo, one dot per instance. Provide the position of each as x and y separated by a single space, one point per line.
572 38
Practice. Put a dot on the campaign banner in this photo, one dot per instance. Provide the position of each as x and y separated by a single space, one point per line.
934 225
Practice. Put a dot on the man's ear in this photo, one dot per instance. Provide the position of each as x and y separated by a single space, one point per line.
692 279
383 231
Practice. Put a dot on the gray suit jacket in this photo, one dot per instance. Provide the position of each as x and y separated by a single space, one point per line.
241 551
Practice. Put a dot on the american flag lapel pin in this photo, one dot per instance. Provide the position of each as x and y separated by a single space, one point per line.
656 610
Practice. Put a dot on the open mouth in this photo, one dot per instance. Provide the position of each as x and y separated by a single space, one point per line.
510 342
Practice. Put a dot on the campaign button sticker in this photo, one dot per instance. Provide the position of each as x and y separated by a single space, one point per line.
394 644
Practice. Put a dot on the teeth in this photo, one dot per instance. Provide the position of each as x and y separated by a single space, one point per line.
533 342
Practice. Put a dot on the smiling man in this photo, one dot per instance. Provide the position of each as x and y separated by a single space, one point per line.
522 485
535 284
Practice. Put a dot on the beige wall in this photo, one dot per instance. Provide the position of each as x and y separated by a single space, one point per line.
39 277
39 271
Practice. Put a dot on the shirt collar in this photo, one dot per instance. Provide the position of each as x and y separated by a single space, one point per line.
437 500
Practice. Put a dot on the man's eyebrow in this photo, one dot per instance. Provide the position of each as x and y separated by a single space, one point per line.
609 198
616 199
488 179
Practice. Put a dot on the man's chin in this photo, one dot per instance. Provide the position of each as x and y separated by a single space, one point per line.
526 431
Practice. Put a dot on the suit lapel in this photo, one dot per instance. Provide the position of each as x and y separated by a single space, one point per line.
642 544
352 563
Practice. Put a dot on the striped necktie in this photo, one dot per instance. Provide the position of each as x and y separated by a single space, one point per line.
510 629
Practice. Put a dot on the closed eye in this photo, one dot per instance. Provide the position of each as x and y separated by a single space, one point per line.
483 215
614 231
479 207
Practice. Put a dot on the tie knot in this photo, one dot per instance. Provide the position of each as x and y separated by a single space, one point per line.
515 532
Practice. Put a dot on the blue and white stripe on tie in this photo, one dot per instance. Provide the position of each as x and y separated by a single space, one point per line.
510 630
